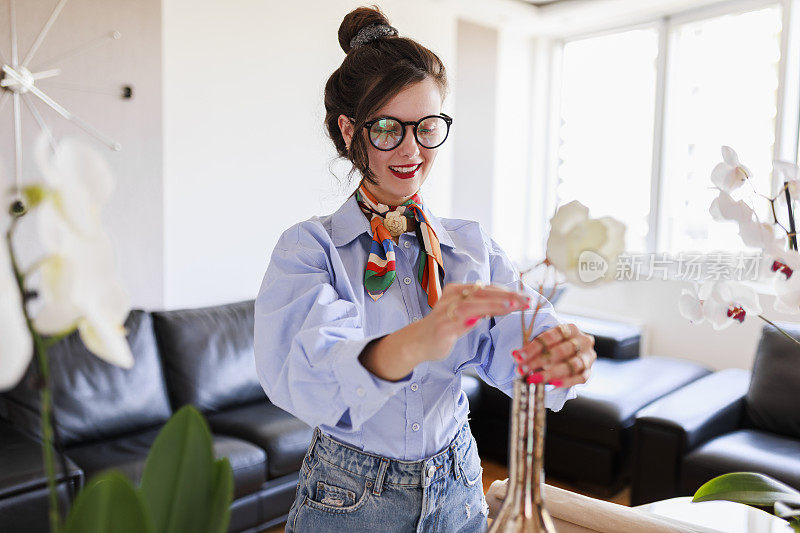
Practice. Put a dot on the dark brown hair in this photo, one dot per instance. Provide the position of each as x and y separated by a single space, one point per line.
370 76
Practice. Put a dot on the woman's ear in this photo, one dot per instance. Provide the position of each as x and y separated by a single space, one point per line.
346 127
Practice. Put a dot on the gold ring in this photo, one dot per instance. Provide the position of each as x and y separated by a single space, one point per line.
577 346
450 310
564 330
546 354
467 291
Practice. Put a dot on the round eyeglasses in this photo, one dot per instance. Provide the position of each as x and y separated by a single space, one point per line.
387 133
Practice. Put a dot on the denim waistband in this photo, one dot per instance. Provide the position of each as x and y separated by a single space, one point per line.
393 471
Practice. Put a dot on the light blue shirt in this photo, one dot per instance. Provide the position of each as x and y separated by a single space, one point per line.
313 318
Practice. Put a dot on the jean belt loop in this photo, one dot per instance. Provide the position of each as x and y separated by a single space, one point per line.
314 439
376 490
454 459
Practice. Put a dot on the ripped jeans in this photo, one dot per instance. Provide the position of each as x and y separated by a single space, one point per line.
345 490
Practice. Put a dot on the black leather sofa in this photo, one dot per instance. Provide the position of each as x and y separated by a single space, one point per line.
729 421
109 417
589 442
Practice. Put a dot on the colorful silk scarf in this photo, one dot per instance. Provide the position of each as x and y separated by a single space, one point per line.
380 272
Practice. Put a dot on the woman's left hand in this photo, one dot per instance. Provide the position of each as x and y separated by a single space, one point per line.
562 356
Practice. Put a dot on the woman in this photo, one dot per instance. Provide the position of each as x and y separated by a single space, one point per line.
367 317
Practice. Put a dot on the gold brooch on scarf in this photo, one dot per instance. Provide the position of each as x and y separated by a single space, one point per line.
396 223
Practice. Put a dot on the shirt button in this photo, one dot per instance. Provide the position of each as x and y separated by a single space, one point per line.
431 471
415 427
414 318
360 391
407 280
414 387
407 244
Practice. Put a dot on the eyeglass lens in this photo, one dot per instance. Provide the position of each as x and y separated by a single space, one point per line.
387 133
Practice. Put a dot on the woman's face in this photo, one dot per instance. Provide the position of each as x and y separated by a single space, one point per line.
394 186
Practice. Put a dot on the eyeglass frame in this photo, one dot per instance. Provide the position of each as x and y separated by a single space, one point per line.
447 119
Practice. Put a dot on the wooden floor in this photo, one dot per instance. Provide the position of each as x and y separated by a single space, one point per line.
493 471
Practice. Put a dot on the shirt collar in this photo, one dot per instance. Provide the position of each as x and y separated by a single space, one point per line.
348 222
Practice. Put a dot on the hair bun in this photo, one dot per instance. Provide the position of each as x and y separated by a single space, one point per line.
357 20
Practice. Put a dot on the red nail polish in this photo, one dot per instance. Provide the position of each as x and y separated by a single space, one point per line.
516 354
471 321
520 371
556 382
535 379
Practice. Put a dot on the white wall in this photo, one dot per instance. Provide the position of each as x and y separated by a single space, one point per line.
474 122
245 150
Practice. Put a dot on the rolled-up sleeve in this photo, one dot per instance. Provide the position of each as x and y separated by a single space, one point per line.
497 366
308 338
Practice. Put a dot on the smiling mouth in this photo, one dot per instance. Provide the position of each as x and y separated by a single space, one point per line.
405 171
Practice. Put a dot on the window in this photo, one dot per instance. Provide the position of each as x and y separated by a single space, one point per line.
719 83
607 111
722 85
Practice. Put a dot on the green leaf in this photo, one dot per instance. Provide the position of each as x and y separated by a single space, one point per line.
221 498
109 502
749 488
178 474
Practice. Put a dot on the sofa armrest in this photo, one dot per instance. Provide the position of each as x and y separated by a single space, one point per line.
670 427
612 339
21 468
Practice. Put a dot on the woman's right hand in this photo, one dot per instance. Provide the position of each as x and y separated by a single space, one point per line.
460 307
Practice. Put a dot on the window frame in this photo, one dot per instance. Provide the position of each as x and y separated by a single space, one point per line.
787 122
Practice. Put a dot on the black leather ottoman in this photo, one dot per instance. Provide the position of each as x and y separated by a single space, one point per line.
589 440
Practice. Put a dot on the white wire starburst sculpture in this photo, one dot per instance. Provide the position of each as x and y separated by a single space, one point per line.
18 84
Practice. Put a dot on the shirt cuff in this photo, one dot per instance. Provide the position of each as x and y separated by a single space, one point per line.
362 392
554 399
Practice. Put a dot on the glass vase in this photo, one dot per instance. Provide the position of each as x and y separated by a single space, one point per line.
523 508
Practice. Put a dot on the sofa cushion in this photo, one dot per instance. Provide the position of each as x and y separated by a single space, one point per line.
208 355
771 402
281 435
605 406
744 450
613 339
129 454
93 399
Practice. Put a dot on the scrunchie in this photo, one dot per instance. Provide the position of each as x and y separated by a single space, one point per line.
370 33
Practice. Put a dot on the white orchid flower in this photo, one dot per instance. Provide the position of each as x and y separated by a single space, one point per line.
759 234
730 174
573 235
788 173
80 181
725 302
787 294
16 346
786 281
78 285
690 305
725 208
